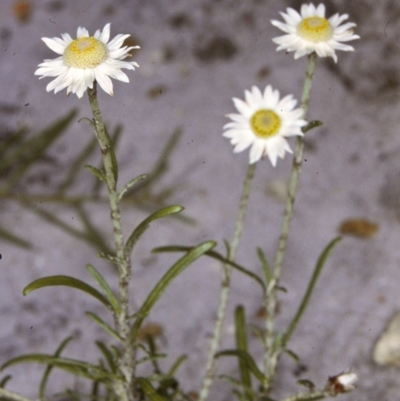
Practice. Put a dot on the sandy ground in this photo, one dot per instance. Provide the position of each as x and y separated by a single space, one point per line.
195 56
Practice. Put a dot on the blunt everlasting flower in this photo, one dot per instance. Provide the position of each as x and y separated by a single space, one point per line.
310 32
342 383
264 122
86 59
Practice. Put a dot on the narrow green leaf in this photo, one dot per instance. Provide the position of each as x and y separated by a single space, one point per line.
117 352
67 281
310 289
241 344
306 383
53 219
247 358
31 150
108 355
105 287
176 365
96 172
71 395
4 381
214 255
231 380
240 396
142 227
74 366
278 341
311 397
149 390
111 148
130 184
114 139
265 265
151 358
167 385
49 368
258 332
311 125
249 394
10 237
166 280
76 165
13 139
161 164
227 248
153 351
94 394
104 325
92 233
293 355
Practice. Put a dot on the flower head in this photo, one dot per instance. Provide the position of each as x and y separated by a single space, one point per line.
342 383
310 32
86 59
264 122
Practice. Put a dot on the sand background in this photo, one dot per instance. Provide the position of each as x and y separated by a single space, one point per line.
195 56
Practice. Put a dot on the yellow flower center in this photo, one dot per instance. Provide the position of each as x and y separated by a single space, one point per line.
315 29
85 53
265 123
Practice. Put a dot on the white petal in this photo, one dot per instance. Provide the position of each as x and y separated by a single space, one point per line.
320 10
66 38
293 17
82 32
105 35
256 151
117 42
283 27
242 107
243 144
105 83
54 45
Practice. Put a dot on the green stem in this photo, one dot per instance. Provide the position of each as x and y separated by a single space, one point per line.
314 395
271 352
226 278
9 395
124 390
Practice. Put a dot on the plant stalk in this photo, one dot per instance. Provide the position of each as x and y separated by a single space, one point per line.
313 395
272 352
225 285
124 390
10 395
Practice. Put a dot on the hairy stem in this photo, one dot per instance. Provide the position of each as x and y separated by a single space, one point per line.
226 278
124 390
271 352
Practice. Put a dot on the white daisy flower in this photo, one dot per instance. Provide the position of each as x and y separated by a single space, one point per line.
310 32
264 122
86 59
